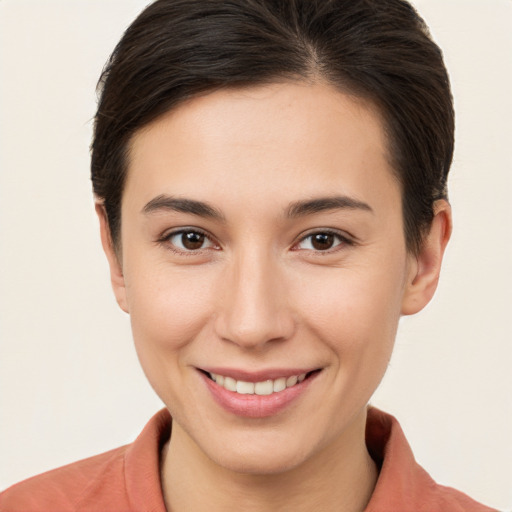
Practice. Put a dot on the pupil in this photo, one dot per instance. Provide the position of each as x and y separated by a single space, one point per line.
322 241
192 240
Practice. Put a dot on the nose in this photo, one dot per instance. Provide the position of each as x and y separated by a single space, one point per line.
254 308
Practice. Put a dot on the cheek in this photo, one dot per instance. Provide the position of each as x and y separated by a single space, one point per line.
353 314
168 309
355 311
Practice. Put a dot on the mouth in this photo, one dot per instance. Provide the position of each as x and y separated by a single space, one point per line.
261 388
257 395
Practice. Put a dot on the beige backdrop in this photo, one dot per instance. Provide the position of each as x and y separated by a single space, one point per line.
70 384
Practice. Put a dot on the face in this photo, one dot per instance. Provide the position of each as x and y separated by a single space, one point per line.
264 269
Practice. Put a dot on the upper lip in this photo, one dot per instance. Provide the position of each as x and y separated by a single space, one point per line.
257 376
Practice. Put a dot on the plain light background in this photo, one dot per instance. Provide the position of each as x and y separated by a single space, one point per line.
70 383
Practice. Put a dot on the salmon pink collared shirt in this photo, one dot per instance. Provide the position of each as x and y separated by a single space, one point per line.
127 479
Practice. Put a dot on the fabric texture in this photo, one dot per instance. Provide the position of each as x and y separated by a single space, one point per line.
127 479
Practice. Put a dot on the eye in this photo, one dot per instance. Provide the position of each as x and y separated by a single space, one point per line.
322 241
189 240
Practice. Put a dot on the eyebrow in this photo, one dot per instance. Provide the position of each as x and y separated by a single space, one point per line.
296 209
166 203
321 204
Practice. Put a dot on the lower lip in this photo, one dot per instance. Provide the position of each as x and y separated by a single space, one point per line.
256 406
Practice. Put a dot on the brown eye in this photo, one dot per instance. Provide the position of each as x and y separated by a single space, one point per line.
187 241
322 241
192 240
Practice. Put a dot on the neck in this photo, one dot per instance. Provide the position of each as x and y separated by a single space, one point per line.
341 477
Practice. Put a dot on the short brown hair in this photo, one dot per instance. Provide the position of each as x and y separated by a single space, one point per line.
380 50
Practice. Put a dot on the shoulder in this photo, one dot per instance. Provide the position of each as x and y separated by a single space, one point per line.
449 499
124 479
403 484
63 489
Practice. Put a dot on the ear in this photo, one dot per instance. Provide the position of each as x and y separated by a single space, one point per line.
426 266
116 269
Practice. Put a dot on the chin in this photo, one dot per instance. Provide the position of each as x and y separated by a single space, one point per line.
259 463
265 452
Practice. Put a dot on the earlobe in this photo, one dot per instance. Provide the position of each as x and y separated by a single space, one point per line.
424 275
116 270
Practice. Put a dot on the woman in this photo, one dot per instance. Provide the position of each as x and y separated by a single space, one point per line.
270 180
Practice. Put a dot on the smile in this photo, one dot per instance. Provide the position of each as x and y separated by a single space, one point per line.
262 388
257 395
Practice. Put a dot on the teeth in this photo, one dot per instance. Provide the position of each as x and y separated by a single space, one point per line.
279 385
244 388
230 384
266 387
291 381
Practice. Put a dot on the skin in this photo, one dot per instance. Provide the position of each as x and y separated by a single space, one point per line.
258 295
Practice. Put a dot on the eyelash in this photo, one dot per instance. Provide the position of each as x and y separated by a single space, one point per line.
342 238
165 239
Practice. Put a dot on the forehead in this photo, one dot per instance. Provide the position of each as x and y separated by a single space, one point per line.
281 140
